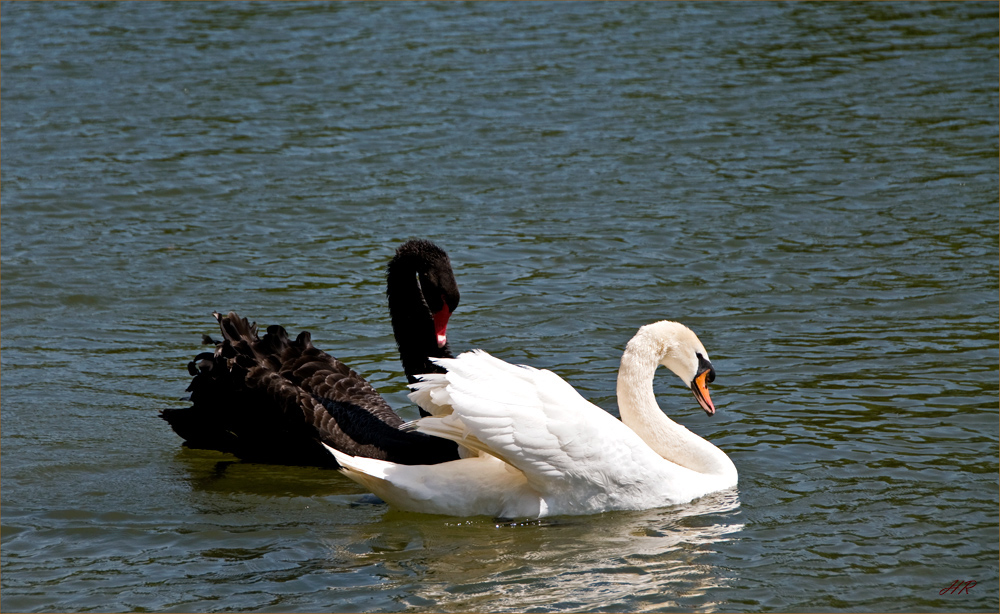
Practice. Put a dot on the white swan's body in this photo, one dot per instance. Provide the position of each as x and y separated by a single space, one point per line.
545 450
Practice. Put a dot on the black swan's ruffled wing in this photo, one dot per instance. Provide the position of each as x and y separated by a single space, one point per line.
274 399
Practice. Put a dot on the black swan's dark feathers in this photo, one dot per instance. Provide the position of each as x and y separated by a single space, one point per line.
273 399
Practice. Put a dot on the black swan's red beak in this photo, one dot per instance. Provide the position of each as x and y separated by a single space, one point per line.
441 324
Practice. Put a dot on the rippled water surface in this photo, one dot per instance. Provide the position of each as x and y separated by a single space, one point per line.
812 187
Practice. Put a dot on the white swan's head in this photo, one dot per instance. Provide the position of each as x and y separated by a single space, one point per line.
680 350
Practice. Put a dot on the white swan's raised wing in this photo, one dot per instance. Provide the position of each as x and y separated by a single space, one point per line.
535 421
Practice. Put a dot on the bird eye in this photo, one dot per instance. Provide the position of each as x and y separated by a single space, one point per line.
705 365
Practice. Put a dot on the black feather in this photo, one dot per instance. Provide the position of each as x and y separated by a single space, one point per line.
275 400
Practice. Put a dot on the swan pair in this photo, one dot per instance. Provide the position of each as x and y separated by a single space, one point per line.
534 447
498 439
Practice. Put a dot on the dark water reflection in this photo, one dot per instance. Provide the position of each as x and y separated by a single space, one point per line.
812 187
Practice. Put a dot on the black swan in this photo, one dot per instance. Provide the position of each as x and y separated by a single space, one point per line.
278 400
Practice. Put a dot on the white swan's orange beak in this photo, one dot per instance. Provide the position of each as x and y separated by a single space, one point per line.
700 389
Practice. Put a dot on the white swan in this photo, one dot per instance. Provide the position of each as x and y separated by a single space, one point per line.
537 448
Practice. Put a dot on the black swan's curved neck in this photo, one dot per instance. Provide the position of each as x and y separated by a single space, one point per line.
422 293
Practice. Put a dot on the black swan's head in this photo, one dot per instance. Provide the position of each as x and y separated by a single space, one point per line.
422 293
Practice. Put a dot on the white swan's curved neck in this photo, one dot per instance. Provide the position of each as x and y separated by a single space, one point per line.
640 412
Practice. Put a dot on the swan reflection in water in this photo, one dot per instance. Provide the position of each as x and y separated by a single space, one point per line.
649 560
627 560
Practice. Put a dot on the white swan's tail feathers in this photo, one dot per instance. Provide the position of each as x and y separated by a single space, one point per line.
369 472
375 476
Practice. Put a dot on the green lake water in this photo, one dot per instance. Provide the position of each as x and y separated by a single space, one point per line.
812 187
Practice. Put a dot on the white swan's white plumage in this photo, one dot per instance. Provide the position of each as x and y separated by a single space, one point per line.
538 448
